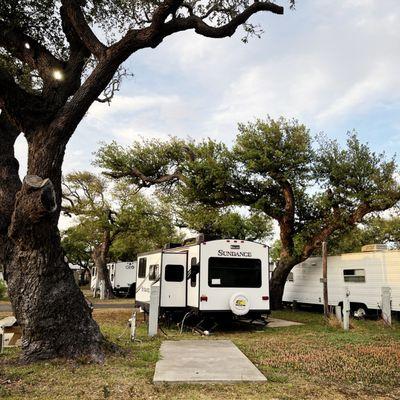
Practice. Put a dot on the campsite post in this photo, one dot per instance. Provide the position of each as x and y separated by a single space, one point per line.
386 306
346 309
325 278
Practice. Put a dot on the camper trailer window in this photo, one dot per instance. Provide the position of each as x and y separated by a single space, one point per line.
194 270
290 277
174 273
142 268
153 272
354 275
234 272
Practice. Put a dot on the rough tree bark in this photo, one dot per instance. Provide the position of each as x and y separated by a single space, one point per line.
55 318
9 184
100 257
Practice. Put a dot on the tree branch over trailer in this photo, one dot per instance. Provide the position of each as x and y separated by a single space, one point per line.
272 168
53 41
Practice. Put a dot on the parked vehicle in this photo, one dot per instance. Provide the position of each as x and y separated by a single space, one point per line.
212 277
122 277
363 274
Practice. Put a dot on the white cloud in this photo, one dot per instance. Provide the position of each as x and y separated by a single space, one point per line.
320 64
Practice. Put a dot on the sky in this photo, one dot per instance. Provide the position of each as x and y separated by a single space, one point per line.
333 65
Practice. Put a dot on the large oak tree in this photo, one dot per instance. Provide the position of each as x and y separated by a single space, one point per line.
310 188
71 50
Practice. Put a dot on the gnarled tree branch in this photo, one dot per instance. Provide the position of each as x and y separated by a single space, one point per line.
25 109
29 51
82 28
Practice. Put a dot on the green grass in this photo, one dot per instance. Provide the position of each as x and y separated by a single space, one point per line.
314 360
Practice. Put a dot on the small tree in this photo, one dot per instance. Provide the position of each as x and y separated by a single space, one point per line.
115 221
78 247
85 197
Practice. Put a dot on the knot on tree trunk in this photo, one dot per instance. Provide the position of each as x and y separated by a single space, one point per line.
43 191
35 201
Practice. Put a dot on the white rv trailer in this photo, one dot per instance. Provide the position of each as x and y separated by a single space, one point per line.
214 276
122 277
364 274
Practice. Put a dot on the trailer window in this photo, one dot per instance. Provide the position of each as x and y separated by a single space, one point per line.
290 277
174 273
153 272
193 272
142 268
234 272
354 275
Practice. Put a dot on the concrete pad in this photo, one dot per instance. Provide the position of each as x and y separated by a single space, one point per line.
281 323
204 361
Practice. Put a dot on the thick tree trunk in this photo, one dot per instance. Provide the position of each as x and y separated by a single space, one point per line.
286 262
277 283
55 318
9 184
100 257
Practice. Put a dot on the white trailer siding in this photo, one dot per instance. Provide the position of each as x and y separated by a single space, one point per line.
173 279
393 278
147 263
122 275
366 274
218 297
193 283
238 268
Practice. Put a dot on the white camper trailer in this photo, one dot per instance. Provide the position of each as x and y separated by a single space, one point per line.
364 274
229 276
122 277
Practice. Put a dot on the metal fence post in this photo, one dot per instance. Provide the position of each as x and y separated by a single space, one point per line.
154 308
386 306
346 309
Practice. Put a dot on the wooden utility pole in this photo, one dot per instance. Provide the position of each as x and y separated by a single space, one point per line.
325 277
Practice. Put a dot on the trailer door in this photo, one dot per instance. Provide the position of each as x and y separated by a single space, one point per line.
173 280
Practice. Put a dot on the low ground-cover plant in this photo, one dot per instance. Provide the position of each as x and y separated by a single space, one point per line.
3 290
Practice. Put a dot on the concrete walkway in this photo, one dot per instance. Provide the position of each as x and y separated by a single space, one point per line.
204 361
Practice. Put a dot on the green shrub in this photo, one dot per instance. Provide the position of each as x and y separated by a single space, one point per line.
3 290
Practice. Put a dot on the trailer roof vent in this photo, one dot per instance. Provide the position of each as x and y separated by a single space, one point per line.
373 247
